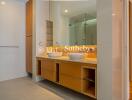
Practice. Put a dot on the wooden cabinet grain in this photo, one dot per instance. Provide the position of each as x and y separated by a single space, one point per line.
70 75
29 17
70 68
29 54
80 77
48 70
71 82
28 36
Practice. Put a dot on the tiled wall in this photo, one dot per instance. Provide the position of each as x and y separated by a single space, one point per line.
49 33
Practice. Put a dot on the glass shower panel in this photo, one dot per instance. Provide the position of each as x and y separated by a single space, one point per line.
72 36
77 34
80 34
83 31
91 32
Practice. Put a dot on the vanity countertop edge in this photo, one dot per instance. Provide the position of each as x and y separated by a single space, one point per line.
65 58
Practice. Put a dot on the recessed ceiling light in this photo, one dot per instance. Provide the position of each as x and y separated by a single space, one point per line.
66 11
3 2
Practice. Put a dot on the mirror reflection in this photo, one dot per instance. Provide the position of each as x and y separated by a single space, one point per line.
74 22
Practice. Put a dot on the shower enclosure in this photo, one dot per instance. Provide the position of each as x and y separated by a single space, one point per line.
83 30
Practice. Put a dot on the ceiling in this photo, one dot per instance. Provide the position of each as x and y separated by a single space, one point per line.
76 7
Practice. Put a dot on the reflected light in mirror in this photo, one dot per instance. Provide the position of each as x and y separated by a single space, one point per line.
113 14
3 2
66 11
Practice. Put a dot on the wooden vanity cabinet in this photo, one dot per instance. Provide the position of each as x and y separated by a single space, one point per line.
48 70
89 81
70 82
80 77
72 69
28 35
70 75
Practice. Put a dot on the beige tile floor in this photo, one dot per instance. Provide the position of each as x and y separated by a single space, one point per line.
26 89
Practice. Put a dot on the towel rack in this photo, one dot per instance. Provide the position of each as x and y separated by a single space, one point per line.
6 46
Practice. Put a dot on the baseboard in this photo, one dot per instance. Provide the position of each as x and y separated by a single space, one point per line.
37 79
14 77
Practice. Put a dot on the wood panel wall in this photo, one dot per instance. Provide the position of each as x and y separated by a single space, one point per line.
29 23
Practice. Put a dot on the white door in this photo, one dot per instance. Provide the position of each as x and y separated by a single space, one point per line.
12 42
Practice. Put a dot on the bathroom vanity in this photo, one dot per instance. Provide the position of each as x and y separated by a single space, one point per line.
79 75
71 32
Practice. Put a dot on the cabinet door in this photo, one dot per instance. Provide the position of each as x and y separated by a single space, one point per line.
72 69
29 54
29 19
48 70
70 75
49 75
29 8
70 82
48 64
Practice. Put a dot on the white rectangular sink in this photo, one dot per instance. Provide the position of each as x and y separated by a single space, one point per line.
76 56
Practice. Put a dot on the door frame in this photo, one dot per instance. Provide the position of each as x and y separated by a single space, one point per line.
125 50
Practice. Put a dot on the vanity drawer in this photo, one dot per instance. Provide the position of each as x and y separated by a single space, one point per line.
70 69
48 64
70 82
49 75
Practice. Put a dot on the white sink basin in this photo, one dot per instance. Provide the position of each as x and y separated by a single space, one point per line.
54 54
76 56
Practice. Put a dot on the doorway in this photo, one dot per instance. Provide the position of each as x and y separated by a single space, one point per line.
12 48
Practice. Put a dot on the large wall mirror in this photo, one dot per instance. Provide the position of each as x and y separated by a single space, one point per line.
74 22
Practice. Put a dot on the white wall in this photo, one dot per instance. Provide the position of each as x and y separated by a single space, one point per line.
60 25
65 31
104 47
41 14
109 23
117 33
12 31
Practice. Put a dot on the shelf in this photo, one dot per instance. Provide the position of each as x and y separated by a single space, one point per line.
57 73
89 74
90 93
39 67
89 82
